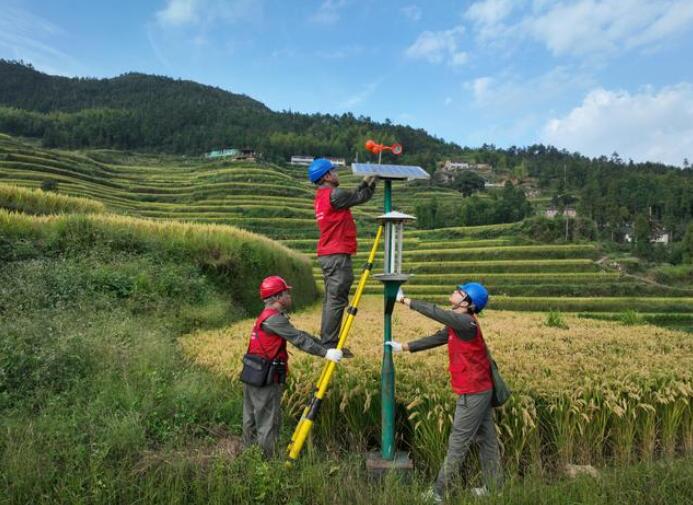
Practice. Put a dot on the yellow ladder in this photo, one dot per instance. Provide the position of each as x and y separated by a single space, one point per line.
310 412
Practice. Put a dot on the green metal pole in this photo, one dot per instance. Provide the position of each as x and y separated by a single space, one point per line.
387 375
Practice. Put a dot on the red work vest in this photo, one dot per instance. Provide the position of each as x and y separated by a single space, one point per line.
265 344
470 370
337 227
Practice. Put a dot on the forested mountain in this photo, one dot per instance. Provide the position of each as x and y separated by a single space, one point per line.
137 111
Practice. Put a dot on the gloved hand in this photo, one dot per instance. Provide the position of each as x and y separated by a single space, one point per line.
400 295
396 346
370 180
334 355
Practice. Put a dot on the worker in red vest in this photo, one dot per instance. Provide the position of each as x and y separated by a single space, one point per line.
337 242
271 332
470 376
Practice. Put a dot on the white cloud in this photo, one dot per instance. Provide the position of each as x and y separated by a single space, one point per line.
481 87
178 13
508 92
646 126
25 36
411 12
329 12
676 19
361 96
591 26
438 47
489 12
582 27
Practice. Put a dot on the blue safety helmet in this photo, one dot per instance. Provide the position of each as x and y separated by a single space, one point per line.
318 168
477 293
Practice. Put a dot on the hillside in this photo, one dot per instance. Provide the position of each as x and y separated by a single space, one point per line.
137 111
277 201
163 115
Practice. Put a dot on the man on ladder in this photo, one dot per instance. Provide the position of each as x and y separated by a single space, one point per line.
337 242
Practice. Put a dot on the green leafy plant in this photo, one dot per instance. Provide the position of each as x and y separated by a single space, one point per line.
554 319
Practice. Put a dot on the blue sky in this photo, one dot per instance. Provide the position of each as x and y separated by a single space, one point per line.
587 75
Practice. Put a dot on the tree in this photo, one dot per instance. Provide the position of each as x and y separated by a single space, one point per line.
468 183
687 244
642 233
49 185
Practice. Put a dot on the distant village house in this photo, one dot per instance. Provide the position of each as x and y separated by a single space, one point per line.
237 154
302 160
223 153
451 168
657 237
554 211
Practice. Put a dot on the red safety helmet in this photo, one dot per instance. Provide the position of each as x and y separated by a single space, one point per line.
272 285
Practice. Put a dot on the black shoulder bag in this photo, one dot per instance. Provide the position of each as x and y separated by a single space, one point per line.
255 370
259 371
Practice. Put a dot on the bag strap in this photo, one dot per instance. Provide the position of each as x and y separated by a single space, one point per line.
488 353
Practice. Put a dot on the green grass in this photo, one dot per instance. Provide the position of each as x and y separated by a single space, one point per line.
237 260
497 253
675 320
582 304
487 231
462 268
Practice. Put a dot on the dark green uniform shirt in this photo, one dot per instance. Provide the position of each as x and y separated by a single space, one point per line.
464 325
345 198
279 324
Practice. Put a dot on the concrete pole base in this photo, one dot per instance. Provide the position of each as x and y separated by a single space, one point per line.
378 467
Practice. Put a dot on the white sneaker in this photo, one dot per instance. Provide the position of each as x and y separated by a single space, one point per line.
431 496
479 491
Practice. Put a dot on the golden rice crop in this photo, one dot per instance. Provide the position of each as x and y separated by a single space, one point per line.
34 201
595 392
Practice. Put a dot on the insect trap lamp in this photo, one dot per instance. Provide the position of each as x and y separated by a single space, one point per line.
392 278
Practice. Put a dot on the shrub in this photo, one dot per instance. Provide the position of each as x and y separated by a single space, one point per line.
545 229
631 317
49 185
554 319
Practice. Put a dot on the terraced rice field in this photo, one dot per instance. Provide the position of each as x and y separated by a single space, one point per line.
264 198
593 392
277 201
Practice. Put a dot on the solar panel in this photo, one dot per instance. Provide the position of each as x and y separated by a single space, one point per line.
409 172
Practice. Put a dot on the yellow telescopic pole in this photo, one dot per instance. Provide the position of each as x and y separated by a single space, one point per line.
310 413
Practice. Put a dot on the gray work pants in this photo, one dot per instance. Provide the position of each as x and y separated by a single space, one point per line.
262 416
338 275
473 420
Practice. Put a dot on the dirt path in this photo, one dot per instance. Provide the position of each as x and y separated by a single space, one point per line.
602 262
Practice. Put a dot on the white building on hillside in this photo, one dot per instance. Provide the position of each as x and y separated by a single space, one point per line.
301 160
456 165
554 211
